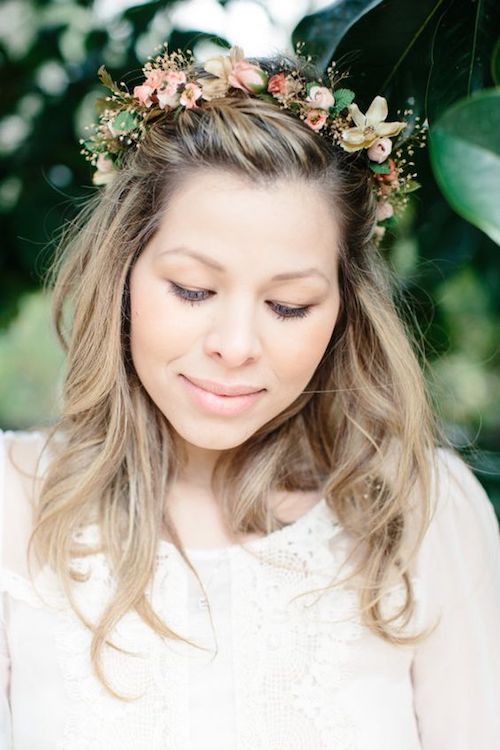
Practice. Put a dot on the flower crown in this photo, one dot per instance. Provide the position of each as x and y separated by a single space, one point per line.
170 86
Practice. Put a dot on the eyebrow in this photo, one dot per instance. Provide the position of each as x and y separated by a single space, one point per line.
213 264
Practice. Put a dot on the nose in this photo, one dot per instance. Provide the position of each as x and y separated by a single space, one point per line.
233 335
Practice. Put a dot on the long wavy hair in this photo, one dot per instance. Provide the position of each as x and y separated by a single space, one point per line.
364 431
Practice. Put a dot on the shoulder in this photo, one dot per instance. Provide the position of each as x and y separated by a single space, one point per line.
458 492
463 540
23 460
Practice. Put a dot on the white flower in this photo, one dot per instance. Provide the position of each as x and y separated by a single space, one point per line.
370 126
321 97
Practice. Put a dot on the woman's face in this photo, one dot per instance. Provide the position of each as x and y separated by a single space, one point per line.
238 287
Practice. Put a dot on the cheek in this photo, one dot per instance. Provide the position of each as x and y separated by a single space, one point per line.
153 332
298 354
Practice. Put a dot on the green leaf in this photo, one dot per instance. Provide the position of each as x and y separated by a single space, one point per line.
101 104
384 50
343 97
390 222
465 156
322 31
411 186
380 168
124 122
92 146
106 79
309 86
461 50
495 64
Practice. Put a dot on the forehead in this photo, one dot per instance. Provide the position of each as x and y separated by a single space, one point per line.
235 221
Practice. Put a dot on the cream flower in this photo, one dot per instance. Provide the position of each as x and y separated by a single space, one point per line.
213 88
384 210
105 170
321 97
370 126
222 65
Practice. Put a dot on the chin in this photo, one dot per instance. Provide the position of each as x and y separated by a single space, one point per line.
215 438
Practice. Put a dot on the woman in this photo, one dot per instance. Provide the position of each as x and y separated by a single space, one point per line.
247 528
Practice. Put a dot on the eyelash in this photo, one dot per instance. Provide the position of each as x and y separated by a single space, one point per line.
281 311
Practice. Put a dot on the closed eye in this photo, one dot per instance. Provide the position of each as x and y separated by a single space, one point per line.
196 296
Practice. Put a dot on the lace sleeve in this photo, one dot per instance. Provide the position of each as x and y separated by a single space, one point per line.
456 671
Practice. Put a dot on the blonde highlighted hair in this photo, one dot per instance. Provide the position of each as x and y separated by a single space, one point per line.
363 431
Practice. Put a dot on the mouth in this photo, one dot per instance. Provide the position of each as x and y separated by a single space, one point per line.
223 389
217 403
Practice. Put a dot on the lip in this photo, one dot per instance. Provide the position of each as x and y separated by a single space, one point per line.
224 390
220 404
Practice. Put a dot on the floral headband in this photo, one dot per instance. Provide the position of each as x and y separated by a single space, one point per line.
169 86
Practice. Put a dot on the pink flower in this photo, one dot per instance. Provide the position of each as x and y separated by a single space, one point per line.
174 77
165 83
384 210
168 95
389 176
380 150
235 71
155 78
281 85
321 97
191 93
249 77
143 94
277 84
316 118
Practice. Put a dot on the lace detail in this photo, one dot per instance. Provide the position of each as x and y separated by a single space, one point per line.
156 676
291 654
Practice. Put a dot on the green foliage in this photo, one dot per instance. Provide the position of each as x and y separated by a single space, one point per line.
343 97
465 154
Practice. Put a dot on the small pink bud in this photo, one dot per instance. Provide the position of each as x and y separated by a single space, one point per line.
249 77
380 150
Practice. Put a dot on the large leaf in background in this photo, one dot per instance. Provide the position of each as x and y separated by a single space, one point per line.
465 154
387 50
495 64
323 31
462 46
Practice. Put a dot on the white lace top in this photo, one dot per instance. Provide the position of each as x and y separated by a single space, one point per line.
289 673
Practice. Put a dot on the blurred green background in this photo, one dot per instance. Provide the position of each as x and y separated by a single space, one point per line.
438 58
